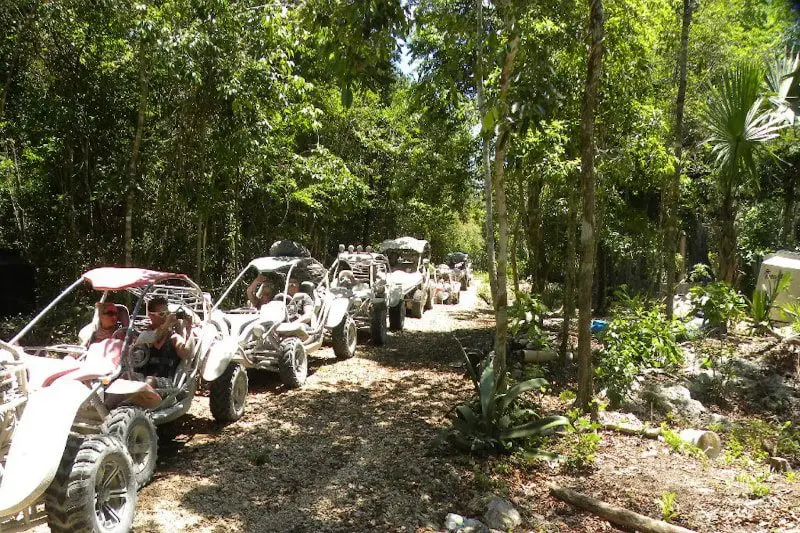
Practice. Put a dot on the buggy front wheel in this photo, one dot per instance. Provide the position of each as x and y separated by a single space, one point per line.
345 338
228 394
377 324
94 490
397 316
293 363
135 429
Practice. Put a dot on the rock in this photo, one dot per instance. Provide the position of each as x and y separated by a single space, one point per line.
675 399
455 522
778 464
501 514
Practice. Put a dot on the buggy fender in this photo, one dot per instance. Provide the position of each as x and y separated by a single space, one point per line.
220 354
38 444
338 310
394 295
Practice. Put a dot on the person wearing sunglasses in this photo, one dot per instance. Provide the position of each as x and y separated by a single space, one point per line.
108 325
167 337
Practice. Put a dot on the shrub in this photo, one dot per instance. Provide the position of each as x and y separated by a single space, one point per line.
491 421
638 336
791 312
525 316
719 303
763 300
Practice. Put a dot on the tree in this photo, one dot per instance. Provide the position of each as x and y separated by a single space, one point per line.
671 197
739 124
587 241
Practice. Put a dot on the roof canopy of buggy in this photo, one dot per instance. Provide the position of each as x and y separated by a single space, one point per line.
405 243
119 278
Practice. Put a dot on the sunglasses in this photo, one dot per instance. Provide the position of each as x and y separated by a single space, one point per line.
110 312
158 313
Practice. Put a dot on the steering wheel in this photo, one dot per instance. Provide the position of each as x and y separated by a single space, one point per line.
138 356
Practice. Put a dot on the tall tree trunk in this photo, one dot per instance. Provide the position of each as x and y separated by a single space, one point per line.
727 239
200 247
487 167
500 150
535 185
672 190
789 202
569 264
133 165
514 248
590 100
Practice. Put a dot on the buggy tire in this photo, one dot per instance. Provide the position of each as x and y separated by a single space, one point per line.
345 338
415 309
465 284
72 502
377 324
228 394
397 316
429 300
133 427
293 363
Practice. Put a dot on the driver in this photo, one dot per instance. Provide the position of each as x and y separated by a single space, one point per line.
167 337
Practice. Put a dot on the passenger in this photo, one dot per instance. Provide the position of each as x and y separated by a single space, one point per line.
109 325
260 291
303 303
167 337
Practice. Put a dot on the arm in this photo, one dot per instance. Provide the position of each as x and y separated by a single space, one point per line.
252 297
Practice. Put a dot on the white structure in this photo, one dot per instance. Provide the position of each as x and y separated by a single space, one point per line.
788 263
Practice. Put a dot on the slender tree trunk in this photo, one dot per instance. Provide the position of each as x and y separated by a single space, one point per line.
133 165
789 202
200 250
672 190
727 239
590 101
535 185
487 167
514 248
501 148
569 278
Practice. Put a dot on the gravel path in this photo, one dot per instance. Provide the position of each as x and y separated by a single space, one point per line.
349 451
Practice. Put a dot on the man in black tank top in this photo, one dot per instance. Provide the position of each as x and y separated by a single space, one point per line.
167 337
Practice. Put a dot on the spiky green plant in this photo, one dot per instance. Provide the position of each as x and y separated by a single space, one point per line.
491 422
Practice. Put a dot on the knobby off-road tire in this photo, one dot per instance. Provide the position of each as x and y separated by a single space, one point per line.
136 430
293 363
94 490
344 337
465 284
397 316
228 394
377 324
415 310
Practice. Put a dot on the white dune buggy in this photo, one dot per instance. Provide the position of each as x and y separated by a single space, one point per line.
461 268
279 335
360 276
78 419
409 284
448 289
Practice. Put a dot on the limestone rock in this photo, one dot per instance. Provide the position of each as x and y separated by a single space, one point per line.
501 514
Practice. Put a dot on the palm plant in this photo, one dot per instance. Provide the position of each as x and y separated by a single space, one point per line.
740 123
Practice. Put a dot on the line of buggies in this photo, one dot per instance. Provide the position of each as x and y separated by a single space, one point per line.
78 422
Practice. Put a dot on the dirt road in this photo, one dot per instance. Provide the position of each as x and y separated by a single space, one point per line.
350 451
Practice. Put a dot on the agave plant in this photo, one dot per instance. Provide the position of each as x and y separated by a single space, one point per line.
763 300
491 422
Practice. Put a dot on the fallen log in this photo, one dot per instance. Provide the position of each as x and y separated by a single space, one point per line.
615 514
650 433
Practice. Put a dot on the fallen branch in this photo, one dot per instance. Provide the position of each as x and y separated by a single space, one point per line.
612 513
650 433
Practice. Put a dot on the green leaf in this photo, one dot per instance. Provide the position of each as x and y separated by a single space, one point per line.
508 398
534 428
487 393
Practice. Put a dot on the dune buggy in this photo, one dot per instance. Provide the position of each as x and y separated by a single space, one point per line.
409 284
447 288
86 405
360 276
461 268
279 335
